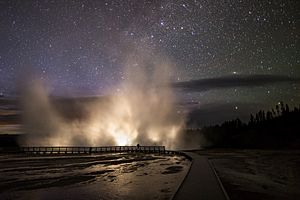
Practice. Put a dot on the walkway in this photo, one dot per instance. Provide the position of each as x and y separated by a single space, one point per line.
201 183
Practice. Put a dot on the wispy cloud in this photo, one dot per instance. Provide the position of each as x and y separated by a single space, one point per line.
224 82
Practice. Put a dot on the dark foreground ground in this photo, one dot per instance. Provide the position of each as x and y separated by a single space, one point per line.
105 176
257 174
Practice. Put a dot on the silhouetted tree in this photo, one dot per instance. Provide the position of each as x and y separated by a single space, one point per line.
282 107
287 109
251 119
274 113
269 116
277 109
257 117
266 129
263 115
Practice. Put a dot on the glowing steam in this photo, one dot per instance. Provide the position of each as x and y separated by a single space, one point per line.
142 112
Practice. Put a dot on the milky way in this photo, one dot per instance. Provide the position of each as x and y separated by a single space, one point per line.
81 45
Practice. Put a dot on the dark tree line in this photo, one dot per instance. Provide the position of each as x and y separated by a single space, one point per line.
275 128
262 116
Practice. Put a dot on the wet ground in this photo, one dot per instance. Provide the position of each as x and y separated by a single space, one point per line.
105 176
257 174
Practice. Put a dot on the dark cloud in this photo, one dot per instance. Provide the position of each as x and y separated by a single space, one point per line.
217 113
233 81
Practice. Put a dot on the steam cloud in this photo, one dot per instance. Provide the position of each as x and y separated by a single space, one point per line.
143 112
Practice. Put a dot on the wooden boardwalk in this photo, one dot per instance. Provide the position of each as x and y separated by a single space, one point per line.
201 182
90 150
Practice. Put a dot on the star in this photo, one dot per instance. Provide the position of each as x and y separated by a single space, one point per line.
76 44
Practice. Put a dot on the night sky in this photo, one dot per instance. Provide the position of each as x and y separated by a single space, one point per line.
80 46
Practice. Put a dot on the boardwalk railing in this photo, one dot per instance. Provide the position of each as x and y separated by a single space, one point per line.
89 150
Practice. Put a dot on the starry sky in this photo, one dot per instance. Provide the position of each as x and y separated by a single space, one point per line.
214 45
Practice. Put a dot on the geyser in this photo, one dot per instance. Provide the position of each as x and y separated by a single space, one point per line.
142 112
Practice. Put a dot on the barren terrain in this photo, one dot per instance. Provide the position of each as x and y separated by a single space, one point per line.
257 174
106 176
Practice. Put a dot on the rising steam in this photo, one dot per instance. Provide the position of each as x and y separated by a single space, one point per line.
143 112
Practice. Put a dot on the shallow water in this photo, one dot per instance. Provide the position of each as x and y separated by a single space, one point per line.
104 176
